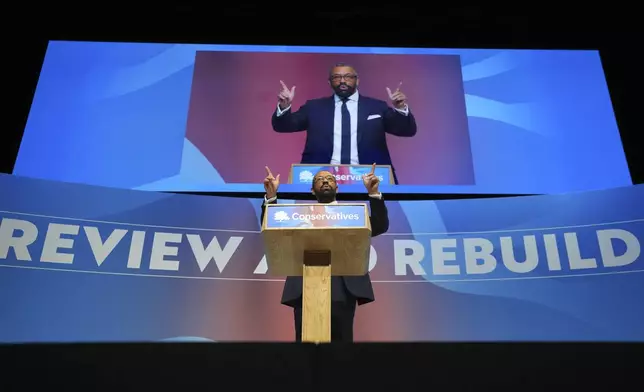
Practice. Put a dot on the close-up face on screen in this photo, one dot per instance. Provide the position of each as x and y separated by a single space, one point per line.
180 117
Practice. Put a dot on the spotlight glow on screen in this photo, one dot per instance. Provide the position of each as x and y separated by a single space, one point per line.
182 117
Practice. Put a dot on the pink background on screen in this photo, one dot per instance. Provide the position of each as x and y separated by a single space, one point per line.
234 95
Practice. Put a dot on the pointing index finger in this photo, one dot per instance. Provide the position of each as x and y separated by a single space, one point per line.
268 171
283 85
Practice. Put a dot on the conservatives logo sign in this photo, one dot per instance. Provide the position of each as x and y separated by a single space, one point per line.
353 177
281 216
326 216
344 175
320 216
306 177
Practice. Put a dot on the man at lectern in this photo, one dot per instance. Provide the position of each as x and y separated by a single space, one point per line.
347 292
346 127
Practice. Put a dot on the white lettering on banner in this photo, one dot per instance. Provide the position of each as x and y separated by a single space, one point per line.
103 249
136 250
352 177
326 216
340 177
163 255
479 258
214 251
470 256
53 242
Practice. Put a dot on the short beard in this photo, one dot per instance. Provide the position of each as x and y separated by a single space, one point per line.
325 197
344 93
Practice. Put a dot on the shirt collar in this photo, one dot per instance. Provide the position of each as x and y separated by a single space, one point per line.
353 97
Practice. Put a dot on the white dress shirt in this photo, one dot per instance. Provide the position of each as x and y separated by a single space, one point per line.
352 106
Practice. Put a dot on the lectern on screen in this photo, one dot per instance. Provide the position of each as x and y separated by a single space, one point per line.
316 241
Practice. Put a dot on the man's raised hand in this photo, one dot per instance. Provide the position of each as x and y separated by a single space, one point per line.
371 181
271 184
285 96
398 99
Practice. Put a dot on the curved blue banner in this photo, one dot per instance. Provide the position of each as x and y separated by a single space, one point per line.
87 263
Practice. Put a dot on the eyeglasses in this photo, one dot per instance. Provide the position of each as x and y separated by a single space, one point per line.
349 77
328 178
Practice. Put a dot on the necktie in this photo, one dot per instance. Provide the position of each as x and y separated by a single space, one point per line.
345 151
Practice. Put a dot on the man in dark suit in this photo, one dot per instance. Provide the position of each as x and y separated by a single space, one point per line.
345 128
347 292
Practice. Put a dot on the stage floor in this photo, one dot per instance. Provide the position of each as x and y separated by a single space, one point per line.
332 367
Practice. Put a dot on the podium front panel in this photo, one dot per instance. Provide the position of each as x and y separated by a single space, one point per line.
305 216
343 229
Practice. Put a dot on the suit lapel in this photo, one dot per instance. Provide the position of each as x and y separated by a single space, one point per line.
363 111
329 108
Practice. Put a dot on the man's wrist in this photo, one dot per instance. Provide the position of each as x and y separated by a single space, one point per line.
375 195
281 111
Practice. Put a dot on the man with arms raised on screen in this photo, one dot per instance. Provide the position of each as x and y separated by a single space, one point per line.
347 292
346 127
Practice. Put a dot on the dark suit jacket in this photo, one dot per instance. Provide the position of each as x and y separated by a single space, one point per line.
316 117
359 286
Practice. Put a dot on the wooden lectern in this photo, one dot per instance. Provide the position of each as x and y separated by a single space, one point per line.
316 241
